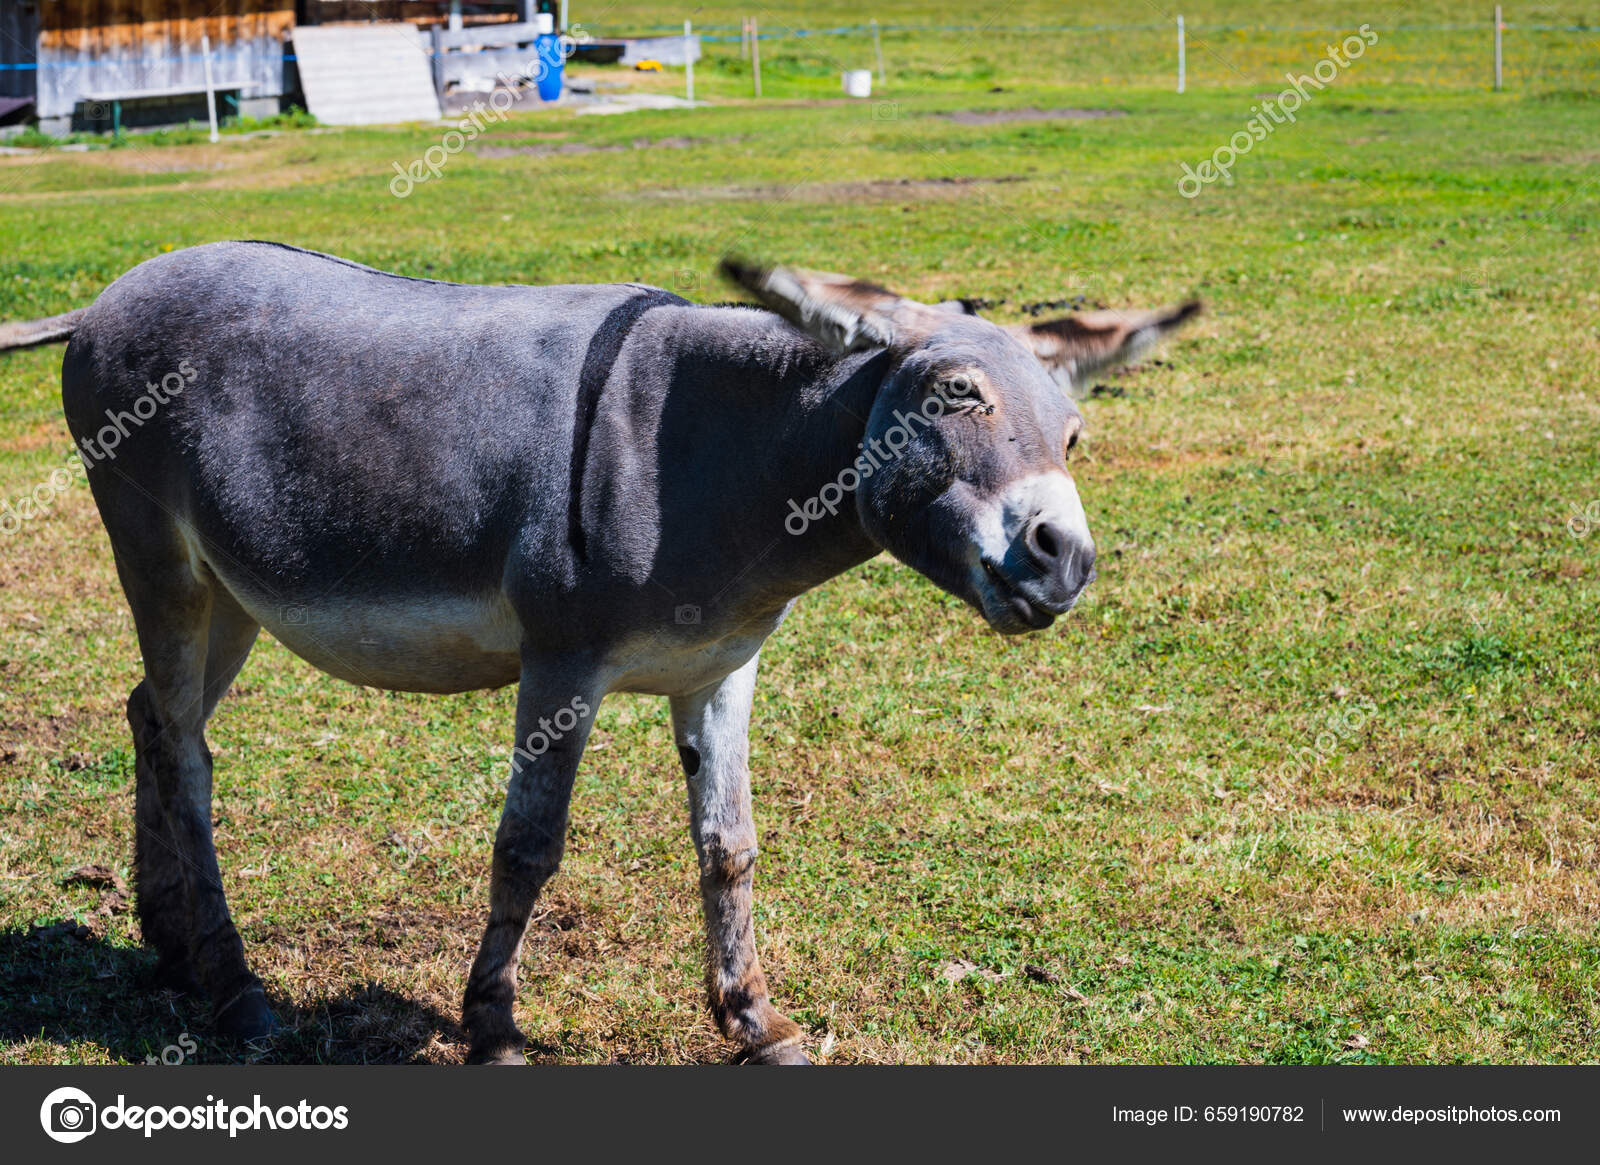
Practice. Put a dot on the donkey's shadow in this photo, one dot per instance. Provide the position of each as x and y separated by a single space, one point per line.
61 984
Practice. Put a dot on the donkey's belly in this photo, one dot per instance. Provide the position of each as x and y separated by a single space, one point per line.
436 644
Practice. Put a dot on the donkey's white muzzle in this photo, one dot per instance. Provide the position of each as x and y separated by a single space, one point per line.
1035 554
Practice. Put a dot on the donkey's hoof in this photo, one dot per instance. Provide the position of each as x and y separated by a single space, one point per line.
499 1052
494 1039
508 1058
247 1017
786 1054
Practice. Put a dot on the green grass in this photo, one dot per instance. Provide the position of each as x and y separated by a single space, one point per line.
1310 776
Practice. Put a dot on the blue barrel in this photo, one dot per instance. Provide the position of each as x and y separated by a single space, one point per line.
551 63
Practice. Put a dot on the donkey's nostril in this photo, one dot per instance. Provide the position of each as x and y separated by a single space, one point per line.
1047 543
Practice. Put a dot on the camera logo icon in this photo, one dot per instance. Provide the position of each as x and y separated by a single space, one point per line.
68 1115
686 615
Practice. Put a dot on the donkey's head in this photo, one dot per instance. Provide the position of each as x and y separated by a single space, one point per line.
963 473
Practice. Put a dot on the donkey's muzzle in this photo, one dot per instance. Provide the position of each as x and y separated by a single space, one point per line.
1065 564
1035 552
1028 591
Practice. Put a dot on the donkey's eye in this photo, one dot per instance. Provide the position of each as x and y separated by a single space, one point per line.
1072 439
958 387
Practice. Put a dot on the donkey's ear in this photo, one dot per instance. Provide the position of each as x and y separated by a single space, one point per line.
842 313
1075 347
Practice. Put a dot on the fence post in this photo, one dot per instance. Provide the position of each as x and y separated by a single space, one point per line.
755 52
1181 61
877 47
211 93
1497 27
438 60
688 61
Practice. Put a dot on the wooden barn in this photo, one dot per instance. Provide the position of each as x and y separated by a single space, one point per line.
84 62
103 64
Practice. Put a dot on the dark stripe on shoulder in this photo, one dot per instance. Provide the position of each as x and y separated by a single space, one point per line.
604 348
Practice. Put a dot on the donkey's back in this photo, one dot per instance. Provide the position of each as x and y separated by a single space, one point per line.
302 378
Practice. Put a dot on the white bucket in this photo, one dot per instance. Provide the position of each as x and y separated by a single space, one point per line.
858 83
544 22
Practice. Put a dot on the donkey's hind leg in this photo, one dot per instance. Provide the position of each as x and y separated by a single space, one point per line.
163 898
158 874
164 903
194 638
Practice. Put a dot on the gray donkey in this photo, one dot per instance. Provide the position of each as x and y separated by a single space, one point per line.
437 487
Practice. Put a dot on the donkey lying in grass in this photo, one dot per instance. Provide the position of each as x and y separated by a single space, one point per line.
435 487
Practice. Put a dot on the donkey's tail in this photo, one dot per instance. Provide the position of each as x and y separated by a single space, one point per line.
30 333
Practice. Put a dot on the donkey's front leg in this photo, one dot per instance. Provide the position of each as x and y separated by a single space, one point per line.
712 730
553 720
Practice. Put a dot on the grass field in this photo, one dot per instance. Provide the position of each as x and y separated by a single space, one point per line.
1311 775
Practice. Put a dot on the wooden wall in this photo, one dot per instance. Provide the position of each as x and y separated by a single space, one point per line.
98 46
420 12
